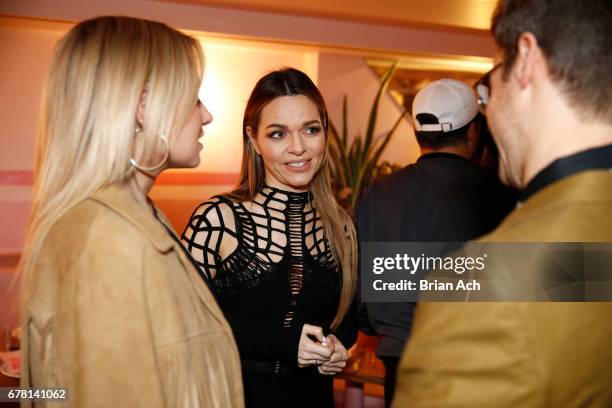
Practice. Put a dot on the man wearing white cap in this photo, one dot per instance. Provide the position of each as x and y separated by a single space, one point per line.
443 197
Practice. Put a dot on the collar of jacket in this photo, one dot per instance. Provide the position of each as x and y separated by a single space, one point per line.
119 199
584 187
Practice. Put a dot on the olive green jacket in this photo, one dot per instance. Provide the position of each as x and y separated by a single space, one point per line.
520 354
121 318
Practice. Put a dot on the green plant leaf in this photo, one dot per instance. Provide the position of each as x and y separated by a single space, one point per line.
336 142
337 167
386 78
353 162
378 150
344 122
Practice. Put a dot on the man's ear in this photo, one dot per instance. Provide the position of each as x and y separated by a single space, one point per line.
528 56
251 134
140 109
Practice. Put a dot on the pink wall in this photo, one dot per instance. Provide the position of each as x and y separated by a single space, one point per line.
9 307
26 54
23 52
265 25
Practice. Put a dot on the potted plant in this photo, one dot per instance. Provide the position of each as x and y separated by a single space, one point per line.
355 163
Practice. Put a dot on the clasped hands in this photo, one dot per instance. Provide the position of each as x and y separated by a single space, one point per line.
327 353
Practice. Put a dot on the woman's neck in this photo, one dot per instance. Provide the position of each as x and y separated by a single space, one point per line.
274 183
140 185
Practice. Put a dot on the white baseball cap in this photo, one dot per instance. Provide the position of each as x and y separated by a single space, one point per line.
452 102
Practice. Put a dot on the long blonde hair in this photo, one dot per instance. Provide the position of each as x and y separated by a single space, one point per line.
86 135
337 223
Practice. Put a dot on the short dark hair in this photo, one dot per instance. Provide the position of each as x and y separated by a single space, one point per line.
436 140
575 36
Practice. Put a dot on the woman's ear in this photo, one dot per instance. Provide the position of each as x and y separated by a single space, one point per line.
251 134
140 109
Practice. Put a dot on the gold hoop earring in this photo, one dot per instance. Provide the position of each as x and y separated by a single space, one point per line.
151 169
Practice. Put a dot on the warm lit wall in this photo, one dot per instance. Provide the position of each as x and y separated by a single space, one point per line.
330 51
351 76
26 45
26 49
453 13
268 25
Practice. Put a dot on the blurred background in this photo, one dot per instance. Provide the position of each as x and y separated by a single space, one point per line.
345 46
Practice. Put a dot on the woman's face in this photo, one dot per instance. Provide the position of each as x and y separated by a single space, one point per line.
184 145
291 142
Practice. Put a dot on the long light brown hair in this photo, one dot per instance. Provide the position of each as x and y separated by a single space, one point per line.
337 223
85 140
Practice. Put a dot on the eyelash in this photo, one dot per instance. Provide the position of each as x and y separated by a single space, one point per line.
277 134
312 130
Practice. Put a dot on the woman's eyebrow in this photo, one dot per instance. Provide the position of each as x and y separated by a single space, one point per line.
276 125
311 122
307 123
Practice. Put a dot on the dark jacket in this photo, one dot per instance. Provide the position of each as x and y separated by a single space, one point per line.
441 198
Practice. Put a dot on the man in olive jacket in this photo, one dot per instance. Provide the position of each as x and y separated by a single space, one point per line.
549 106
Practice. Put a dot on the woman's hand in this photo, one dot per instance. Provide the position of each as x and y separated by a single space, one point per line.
313 352
338 359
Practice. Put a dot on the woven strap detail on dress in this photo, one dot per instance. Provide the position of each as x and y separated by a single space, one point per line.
273 212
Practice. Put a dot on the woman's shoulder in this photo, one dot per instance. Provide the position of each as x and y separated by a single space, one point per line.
92 241
90 222
215 210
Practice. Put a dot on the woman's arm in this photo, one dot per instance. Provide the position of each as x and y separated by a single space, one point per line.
210 235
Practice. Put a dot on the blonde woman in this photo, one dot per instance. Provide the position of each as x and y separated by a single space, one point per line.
114 308
280 251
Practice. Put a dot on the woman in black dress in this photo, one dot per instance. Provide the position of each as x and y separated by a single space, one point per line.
280 252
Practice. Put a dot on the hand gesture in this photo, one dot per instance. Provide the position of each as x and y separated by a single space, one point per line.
337 360
313 352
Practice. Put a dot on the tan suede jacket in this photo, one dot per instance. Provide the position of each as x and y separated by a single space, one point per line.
121 318
520 354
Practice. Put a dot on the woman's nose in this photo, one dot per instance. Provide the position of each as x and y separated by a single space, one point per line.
297 145
206 115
